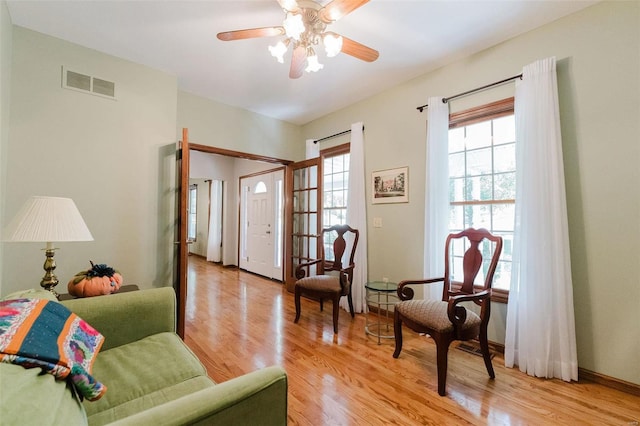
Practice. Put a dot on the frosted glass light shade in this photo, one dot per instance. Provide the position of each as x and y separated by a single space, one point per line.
332 44
312 64
293 25
48 219
278 51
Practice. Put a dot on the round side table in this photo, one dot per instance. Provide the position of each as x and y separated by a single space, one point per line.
381 296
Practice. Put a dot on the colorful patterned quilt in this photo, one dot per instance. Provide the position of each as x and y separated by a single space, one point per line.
45 334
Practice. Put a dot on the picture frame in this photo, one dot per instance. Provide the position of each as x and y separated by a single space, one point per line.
390 186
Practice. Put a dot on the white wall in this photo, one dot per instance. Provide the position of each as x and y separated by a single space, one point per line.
116 159
598 53
223 126
6 39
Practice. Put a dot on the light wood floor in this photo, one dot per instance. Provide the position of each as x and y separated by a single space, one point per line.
237 322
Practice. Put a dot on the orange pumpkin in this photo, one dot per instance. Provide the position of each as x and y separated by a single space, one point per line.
100 279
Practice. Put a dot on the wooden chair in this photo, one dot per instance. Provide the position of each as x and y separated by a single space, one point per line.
446 320
322 286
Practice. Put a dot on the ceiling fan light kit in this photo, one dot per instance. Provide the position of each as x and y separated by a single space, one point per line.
332 44
304 27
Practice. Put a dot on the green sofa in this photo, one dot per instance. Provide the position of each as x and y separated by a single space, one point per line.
152 377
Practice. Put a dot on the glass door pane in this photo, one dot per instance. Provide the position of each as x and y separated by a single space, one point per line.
305 202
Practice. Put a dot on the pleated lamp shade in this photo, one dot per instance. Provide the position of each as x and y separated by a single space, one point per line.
48 219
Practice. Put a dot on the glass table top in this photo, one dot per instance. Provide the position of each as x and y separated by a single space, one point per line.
381 286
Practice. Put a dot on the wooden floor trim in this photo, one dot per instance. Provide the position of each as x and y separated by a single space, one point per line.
610 382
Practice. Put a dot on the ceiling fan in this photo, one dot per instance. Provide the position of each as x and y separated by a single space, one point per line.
304 27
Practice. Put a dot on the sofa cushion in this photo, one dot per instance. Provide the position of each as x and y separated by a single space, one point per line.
31 397
143 374
151 400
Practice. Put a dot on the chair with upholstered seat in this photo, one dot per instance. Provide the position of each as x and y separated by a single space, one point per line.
446 320
322 285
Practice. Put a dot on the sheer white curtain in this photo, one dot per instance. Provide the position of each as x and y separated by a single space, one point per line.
312 149
540 335
436 217
357 218
214 249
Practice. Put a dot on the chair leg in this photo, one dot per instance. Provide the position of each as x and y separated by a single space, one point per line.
484 346
350 300
336 310
297 301
442 348
321 304
397 331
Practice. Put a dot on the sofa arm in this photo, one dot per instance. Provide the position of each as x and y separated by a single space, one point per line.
257 398
127 317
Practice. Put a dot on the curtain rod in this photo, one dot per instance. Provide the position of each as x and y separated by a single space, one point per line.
333 136
477 89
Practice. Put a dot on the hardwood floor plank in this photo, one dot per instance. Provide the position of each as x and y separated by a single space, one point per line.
237 322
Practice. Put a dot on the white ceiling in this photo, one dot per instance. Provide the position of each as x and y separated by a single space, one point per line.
179 37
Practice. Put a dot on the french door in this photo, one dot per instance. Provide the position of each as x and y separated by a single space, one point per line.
303 209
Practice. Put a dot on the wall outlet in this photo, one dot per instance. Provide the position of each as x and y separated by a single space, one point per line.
385 279
377 222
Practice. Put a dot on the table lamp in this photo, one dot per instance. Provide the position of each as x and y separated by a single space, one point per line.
48 219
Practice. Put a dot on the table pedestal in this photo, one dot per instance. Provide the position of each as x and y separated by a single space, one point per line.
382 296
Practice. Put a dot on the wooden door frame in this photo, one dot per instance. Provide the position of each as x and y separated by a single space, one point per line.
181 287
183 249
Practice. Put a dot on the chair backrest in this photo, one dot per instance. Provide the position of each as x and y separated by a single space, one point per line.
339 248
472 261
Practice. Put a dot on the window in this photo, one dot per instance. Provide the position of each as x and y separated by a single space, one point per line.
260 188
335 183
482 181
192 213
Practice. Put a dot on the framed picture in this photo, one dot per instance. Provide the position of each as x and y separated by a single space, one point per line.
390 186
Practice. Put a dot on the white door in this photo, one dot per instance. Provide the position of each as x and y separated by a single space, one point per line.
261 224
259 238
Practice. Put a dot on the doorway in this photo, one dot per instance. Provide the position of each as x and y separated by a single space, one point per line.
183 166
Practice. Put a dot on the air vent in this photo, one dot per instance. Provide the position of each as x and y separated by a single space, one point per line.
88 84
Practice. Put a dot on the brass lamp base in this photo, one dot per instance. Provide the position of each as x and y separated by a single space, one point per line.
49 281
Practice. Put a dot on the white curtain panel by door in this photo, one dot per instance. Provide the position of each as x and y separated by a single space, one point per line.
357 218
436 211
312 149
214 250
540 335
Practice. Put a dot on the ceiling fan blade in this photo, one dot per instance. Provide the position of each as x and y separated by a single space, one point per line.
251 33
358 50
338 8
289 5
298 61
